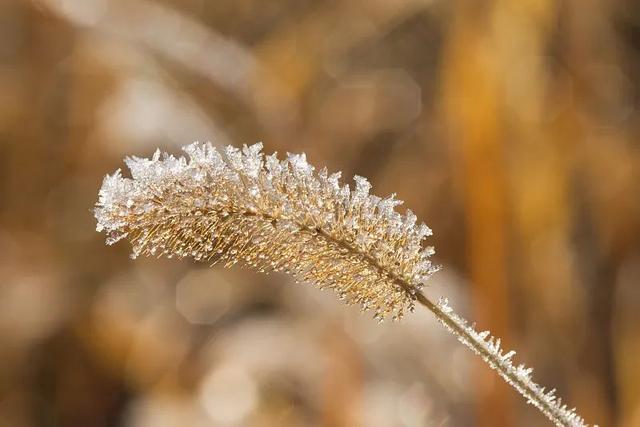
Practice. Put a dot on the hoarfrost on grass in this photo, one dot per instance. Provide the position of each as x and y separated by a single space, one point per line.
520 377
282 215
288 194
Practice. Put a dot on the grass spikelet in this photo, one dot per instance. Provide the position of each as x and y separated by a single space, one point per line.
283 215
274 215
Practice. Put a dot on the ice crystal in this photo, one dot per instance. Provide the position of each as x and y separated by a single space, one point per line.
281 215
272 214
519 377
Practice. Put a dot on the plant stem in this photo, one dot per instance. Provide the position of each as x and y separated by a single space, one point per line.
518 378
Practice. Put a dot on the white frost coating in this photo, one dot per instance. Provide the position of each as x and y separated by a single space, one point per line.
291 190
519 377
381 263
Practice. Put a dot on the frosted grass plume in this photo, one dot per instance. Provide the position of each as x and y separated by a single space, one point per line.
284 216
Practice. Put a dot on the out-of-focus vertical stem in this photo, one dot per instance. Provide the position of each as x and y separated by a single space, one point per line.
471 108
343 380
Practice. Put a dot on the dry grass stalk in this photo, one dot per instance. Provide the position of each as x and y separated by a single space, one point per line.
282 215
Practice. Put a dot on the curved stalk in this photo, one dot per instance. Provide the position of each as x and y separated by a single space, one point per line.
282 216
517 377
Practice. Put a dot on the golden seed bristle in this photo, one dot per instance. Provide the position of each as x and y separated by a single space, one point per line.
273 215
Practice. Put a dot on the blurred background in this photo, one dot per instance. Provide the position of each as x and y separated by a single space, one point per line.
511 127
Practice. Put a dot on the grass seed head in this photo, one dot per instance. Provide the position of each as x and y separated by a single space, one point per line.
234 205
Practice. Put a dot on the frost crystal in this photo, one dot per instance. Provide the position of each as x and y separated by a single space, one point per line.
281 215
488 348
275 215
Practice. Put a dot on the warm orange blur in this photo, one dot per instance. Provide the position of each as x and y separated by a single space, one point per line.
511 127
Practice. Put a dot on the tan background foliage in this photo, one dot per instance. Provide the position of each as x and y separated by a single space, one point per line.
510 127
